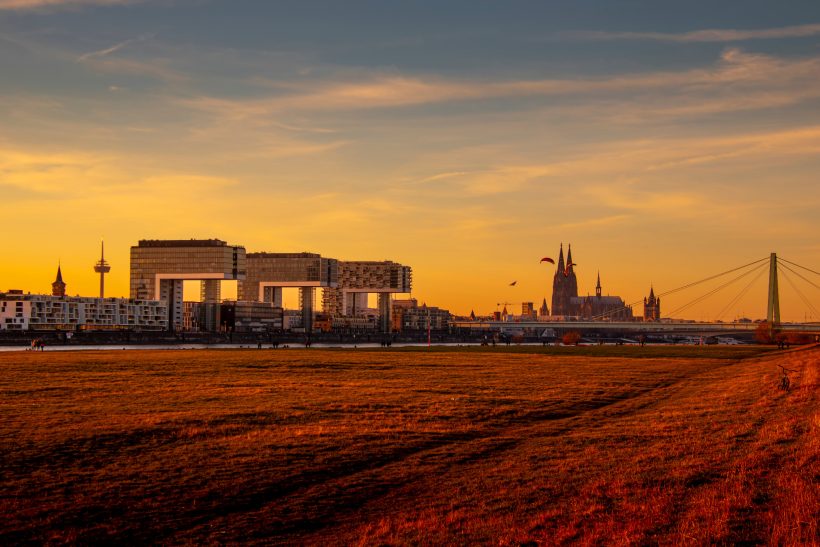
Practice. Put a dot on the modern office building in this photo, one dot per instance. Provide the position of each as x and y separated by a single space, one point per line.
354 325
408 316
243 316
359 278
159 267
192 313
20 311
269 273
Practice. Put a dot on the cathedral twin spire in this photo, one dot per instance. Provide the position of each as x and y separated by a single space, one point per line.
561 258
564 284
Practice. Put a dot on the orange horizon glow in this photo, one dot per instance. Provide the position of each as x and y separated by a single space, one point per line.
661 155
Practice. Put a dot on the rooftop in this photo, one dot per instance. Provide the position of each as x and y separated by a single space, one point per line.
181 243
283 255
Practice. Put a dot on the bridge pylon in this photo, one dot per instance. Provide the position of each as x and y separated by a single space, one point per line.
773 309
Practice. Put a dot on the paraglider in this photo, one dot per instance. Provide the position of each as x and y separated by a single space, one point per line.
569 265
548 259
513 283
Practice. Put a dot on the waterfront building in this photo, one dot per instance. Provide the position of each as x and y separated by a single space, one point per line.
246 316
527 311
191 316
22 312
322 322
269 273
159 267
355 325
357 279
652 306
409 316
58 287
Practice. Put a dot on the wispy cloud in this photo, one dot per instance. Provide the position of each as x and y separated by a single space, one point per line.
158 69
57 4
595 222
112 49
707 35
637 176
735 68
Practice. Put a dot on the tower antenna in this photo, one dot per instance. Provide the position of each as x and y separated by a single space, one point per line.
102 267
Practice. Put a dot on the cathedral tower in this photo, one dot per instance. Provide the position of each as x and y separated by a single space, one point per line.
564 285
58 287
651 306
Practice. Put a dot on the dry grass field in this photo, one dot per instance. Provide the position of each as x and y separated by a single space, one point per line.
545 446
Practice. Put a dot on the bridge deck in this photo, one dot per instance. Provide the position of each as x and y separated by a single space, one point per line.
634 326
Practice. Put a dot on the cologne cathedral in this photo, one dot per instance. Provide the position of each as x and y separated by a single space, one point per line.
566 302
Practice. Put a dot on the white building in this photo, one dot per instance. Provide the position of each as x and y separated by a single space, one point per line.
20 311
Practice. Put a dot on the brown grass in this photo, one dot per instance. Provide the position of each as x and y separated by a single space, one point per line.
375 447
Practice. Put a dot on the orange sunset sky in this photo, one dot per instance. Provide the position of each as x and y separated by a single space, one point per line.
465 139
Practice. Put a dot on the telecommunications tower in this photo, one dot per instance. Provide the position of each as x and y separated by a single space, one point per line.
102 267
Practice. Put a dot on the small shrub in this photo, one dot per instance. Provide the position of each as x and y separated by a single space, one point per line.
571 338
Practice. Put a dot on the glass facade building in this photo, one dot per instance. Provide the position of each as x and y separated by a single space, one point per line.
358 277
269 273
270 270
159 267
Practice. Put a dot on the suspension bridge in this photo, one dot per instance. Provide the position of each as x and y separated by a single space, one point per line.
746 276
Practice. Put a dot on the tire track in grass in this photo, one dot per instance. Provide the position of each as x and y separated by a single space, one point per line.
494 439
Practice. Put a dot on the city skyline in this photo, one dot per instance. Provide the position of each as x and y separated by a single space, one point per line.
466 140
290 298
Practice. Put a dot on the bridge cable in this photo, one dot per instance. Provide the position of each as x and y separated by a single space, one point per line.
743 292
798 265
672 291
799 293
687 286
807 280
713 291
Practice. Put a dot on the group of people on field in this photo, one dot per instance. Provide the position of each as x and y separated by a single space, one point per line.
37 344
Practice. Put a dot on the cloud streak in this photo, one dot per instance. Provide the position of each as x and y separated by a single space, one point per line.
113 49
734 70
699 36
22 5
